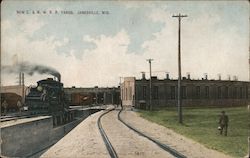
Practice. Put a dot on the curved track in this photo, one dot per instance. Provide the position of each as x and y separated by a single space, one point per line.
109 146
161 145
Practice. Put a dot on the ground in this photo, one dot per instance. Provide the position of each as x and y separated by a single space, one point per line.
200 124
127 143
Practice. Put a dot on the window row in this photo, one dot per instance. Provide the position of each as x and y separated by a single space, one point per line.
197 92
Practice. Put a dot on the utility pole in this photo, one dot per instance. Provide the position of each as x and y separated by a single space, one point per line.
120 91
23 95
249 108
150 84
179 67
96 90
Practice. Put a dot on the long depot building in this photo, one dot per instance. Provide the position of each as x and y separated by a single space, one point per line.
204 92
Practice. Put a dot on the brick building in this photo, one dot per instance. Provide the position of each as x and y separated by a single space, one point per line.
202 92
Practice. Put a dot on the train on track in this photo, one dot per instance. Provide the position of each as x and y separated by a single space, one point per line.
11 100
82 99
48 98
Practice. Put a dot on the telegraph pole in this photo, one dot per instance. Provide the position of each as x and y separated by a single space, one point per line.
23 87
150 84
179 67
120 91
249 108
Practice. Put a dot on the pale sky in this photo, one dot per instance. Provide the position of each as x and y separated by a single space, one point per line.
97 49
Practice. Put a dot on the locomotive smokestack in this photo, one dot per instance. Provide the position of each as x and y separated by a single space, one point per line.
59 78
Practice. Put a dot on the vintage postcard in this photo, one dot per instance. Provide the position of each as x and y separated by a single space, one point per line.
125 79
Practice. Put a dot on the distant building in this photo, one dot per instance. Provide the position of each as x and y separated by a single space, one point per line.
193 92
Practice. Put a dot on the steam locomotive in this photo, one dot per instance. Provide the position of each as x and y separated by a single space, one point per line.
47 97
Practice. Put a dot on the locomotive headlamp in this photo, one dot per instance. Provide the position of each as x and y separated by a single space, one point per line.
39 88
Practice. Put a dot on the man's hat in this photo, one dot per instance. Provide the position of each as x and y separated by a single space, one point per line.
223 112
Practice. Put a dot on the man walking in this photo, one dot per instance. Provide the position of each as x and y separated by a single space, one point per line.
223 122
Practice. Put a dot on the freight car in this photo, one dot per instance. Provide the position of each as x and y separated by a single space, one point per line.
82 99
11 99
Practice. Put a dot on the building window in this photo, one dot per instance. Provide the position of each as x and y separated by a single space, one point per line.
184 92
198 92
155 92
246 92
172 92
144 92
241 93
206 92
235 93
219 93
166 92
226 92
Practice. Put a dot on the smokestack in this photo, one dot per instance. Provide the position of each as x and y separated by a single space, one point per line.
219 76
205 76
143 75
235 78
229 77
188 75
23 86
167 75
20 78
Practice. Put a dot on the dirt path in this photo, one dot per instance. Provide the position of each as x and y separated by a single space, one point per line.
127 143
180 143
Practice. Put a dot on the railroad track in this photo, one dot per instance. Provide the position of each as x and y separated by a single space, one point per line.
111 149
161 145
109 146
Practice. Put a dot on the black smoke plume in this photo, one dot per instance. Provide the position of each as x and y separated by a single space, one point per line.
30 69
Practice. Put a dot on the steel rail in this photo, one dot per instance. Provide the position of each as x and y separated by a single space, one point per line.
161 145
109 146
